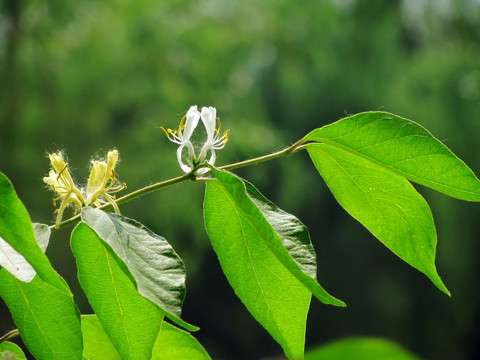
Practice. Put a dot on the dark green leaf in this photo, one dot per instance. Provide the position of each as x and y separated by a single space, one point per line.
17 230
360 349
404 147
157 269
11 351
384 202
46 317
263 274
174 343
131 321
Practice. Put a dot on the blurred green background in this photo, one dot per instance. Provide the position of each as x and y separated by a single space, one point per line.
88 76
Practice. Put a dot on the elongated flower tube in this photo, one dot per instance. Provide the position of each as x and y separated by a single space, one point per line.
214 140
182 136
60 180
102 182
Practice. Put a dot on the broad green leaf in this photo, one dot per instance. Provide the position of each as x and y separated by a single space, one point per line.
11 351
96 343
404 147
46 317
173 343
384 202
16 229
256 263
157 269
131 321
286 237
360 349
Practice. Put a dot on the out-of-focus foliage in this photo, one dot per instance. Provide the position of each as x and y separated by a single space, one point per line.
361 348
87 76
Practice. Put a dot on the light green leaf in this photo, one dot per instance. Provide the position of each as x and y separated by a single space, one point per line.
17 230
131 321
384 202
404 147
46 317
360 349
96 344
175 344
11 351
263 274
157 269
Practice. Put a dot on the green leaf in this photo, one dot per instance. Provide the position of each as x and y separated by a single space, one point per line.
17 230
131 321
96 344
384 202
404 147
171 343
47 318
360 349
293 233
157 269
11 351
263 274
174 343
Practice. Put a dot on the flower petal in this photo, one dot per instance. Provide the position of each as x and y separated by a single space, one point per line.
184 167
193 115
209 118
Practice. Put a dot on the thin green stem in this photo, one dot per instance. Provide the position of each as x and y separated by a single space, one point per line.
132 195
290 150
10 335
189 176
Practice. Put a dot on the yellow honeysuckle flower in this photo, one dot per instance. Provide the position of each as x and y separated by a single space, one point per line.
62 183
102 182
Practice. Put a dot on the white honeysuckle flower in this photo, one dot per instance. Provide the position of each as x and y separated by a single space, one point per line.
185 130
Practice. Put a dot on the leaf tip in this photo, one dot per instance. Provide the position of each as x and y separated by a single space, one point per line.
437 281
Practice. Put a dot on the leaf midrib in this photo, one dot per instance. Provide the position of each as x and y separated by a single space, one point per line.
118 301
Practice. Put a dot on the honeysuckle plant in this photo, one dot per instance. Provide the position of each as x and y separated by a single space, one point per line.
134 279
